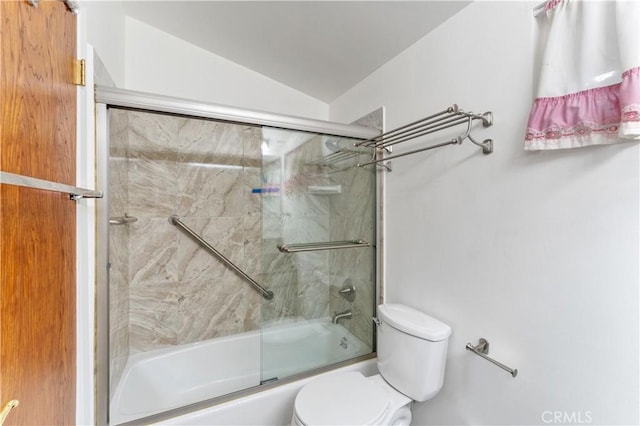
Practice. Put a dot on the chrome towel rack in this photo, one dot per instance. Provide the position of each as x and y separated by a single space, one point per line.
445 119
329 245
337 157
339 154
482 349
175 220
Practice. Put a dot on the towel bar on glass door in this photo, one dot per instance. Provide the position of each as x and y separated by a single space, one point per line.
175 220
122 220
329 245
74 192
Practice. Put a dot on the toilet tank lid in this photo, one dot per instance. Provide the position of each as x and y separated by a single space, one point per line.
413 322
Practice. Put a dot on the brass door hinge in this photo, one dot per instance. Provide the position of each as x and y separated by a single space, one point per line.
79 72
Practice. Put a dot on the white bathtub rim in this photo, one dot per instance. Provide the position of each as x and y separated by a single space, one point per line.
118 417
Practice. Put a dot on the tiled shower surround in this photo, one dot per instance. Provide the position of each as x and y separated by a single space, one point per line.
202 171
118 249
165 290
353 217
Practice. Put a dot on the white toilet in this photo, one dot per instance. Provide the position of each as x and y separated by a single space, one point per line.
412 351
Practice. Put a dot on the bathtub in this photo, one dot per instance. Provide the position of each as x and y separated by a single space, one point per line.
168 378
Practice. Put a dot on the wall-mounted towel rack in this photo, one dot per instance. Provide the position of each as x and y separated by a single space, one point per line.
445 119
340 154
337 157
329 245
482 349
175 220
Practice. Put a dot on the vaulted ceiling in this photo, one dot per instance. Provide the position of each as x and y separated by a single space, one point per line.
321 48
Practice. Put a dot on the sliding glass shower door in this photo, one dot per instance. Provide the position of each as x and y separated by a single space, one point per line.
238 254
318 254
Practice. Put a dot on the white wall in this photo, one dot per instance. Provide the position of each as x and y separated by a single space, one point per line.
158 62
141 57
537 252
105 22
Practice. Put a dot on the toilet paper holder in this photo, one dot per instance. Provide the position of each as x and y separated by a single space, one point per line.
482 349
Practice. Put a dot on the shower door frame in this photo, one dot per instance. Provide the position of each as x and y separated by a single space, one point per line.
106 97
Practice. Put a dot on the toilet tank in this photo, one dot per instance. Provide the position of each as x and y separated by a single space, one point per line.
412 350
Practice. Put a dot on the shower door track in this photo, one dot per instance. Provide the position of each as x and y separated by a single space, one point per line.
158 103
208 403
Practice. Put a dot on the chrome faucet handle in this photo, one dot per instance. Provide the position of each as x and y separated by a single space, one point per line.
348 291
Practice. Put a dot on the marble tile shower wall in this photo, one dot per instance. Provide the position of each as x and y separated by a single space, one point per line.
307 283
118 241
280 273
202 171
353 217
166 290
300 281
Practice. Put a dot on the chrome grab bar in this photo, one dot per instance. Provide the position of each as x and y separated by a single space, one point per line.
329 245
482 348
175 220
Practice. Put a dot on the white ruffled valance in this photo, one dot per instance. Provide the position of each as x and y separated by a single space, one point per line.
589 88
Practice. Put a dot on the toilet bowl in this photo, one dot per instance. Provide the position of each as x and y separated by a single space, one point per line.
412 350
363 401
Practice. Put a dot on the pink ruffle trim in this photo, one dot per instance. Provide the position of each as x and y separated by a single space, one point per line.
591 117
552 4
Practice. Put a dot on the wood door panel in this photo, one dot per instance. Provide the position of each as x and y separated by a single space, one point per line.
37 302
38 118
37 228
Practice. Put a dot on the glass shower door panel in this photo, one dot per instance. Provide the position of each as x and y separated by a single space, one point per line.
185 326
314 199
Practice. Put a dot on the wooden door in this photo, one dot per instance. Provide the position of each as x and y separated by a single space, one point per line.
37 227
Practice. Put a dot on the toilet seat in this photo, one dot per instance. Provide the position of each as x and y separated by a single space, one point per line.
344 399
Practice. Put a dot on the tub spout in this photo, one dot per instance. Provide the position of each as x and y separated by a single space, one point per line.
341 315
